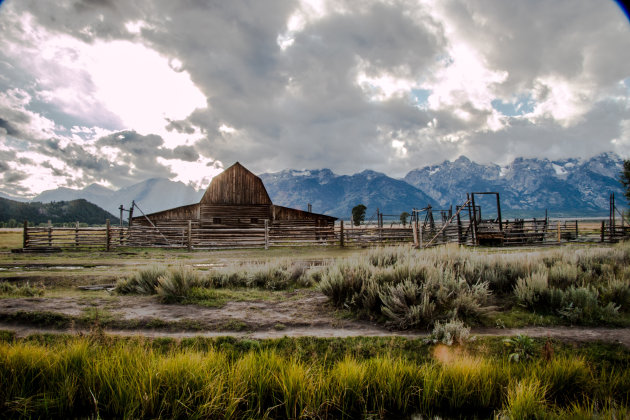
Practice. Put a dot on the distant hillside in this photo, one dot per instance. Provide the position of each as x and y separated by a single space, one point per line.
57 212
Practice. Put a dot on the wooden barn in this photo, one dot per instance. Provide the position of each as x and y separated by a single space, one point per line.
234 211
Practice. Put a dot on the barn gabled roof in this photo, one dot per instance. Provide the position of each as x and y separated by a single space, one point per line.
236 185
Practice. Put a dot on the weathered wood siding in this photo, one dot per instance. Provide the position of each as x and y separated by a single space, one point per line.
181 214
237 186
229 215
288 214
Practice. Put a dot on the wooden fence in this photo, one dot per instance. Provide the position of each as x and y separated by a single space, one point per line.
193 236
56 238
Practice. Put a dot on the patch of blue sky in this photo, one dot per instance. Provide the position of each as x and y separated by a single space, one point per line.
420 97
522 104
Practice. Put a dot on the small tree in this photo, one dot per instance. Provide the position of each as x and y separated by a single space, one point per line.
625 178
403 218
358 214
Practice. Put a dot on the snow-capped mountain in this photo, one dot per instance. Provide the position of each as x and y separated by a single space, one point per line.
336 195
564 187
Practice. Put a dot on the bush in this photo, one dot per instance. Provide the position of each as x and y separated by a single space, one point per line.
453 331
529 290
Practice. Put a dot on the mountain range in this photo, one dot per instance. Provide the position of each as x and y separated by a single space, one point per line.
527 187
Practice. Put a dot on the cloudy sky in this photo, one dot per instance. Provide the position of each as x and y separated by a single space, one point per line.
115 92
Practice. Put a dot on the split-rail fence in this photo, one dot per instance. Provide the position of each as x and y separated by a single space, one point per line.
195 237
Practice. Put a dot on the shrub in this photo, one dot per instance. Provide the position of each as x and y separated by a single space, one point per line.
521 348
453 331
581 304
529 290
616 291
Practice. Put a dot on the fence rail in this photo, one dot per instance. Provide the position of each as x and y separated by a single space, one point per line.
192 235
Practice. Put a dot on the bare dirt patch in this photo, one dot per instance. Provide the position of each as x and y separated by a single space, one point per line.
294 314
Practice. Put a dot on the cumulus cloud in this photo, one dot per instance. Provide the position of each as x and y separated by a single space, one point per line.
114 91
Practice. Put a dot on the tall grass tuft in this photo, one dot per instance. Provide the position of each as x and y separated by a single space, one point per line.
175 285
526 399
143 282
13 290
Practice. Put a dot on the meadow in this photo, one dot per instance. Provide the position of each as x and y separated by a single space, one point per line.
439 294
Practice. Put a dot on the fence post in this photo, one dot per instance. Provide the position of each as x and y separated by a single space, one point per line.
76 234
189 235
25 235
266 233
414 228
420 235
601 239
559 233
576 230
107 235
49 234
341 244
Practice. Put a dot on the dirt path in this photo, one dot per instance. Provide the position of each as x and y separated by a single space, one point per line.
292 314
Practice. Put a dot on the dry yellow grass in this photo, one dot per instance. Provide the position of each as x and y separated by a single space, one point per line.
10 238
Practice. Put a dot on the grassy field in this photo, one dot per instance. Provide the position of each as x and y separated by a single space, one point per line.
445 290
100 376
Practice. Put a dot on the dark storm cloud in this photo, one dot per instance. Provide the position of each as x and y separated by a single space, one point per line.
180 127
11 177
8 127
4 166
186 153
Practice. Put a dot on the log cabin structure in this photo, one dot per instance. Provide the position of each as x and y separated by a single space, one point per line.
235 210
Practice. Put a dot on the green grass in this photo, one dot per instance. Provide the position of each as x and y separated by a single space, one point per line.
102 376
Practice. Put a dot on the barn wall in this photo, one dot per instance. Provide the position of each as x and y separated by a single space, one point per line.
242 215
236 186
178 215
286 214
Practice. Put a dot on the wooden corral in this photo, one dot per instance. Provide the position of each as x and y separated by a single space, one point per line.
234 211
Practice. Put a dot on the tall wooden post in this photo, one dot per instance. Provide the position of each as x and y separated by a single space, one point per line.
420 234
416 241
107 236
576 229
190 235
474 220
25 235
76 234
49 234
559 233
459 228
266 234
341 242
601 239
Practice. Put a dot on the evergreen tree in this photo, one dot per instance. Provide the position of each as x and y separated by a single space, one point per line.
625 178
358 214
